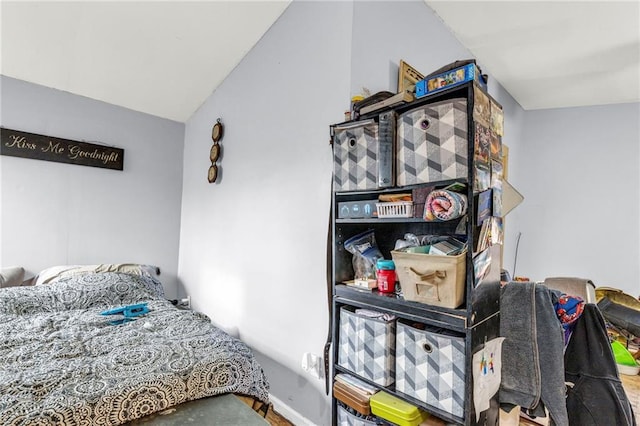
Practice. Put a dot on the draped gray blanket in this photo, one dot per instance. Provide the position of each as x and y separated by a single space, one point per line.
532 352
62 363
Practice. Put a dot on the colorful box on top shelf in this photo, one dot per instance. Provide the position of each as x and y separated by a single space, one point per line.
449 79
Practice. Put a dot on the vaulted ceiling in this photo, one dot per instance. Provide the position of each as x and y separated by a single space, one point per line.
166 58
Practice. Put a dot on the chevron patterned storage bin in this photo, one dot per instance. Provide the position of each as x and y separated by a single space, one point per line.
432 143
346 418
431 368
367 347
355 157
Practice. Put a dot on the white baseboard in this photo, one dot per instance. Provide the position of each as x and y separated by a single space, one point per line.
289 413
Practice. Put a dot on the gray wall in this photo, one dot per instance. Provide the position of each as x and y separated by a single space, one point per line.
252 247
385 32
56 214
579 174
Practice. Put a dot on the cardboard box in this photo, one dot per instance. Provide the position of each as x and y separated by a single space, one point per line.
357 209
449 79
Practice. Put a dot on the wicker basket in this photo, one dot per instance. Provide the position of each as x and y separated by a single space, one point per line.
395 209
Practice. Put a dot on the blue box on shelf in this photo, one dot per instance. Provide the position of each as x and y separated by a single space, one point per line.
449 79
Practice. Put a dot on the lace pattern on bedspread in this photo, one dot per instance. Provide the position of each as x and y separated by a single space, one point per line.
62 363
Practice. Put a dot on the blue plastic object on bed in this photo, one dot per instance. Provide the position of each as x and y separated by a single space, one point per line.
130 312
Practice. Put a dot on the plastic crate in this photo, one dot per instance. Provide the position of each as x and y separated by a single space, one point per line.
392 408
395 209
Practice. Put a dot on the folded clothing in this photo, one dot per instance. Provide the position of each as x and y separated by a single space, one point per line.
375 315
442 205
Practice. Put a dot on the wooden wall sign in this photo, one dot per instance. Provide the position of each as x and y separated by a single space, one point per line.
15 143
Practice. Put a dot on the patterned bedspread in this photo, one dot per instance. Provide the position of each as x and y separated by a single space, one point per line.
62 363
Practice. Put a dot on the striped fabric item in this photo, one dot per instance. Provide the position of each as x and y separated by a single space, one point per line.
442 205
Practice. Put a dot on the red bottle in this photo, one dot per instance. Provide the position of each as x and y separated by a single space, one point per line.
386 276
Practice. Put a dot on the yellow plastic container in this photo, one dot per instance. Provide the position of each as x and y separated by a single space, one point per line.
389 407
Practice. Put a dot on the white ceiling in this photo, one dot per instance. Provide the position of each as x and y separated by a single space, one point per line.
166 58
551 54
163 58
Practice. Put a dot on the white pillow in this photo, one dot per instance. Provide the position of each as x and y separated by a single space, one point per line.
11 277
54 273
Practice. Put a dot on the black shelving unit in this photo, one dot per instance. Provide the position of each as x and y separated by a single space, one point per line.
477 320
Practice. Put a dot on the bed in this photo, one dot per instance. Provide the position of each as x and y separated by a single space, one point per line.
63 363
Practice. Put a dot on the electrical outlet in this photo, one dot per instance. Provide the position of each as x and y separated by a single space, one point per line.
185 303
319 367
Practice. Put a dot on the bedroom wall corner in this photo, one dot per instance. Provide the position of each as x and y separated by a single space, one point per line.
252 244
514 118
376 55
581 186
55 214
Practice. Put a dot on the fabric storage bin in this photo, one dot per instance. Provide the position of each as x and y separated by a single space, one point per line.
355 156
430 278
366 346
345 418
430 367
432 143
